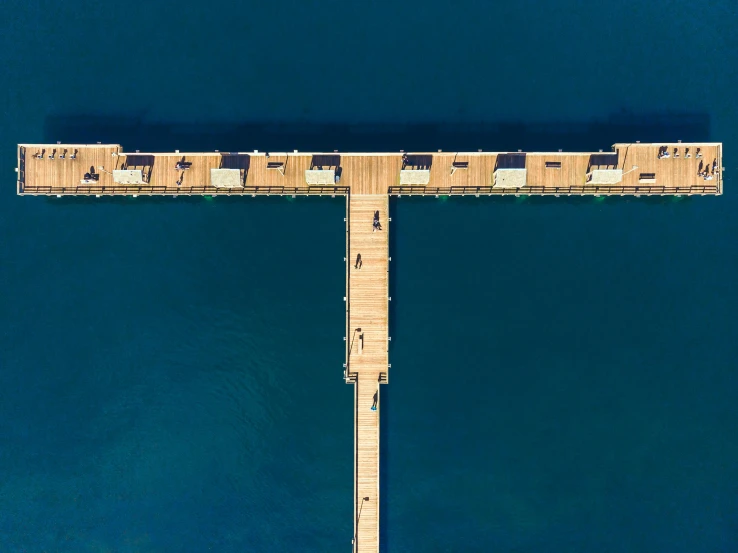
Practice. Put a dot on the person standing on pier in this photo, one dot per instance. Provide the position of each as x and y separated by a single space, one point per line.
376 225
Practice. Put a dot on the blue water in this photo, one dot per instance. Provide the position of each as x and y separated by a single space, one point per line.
563 370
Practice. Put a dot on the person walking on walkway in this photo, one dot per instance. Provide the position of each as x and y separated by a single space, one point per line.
376 225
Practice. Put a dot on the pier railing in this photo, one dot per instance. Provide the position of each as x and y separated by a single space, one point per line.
83 190
348 376
554 191
343 190
21 169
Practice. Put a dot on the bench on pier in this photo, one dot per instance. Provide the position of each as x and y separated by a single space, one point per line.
456 165
276 166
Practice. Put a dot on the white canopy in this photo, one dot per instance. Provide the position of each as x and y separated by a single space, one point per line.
320 176
510 178
414 176
225 178
128 176
605 176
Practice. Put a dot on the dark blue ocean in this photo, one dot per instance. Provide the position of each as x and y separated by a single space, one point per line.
563 370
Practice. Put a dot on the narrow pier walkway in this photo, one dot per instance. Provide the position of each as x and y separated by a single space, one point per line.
367 357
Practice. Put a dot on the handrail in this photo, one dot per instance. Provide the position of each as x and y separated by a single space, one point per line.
559 190
347 375
343 190
83 190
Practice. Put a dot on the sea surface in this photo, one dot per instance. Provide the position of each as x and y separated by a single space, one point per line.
563 370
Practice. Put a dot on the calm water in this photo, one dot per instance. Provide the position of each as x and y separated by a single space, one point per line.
563 371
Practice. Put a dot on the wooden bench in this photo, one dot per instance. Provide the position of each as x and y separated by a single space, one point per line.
456 165
276 165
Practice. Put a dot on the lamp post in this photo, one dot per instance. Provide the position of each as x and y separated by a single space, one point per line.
101 168
356 529
351 345
631 170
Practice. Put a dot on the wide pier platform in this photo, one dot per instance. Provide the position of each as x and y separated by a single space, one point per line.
367 180
628 169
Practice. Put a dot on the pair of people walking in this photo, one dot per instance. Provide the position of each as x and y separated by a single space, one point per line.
376 225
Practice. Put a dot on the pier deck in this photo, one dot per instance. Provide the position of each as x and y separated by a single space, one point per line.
368 180
379 173
367 346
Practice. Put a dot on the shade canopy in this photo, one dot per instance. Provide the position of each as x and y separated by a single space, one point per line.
320 176
128 176
414 176
226 178
510 178
605 176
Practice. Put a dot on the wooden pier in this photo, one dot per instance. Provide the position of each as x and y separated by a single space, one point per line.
628 169
367 246
368 180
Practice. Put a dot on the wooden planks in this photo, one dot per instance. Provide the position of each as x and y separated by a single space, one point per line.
374 173
366 481
368 286
371 174
367 357
572 172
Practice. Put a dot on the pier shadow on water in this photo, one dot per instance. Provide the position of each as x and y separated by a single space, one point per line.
385 479
135 132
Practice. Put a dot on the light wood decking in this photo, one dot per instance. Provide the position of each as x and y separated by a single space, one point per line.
375 173
366 469
367 344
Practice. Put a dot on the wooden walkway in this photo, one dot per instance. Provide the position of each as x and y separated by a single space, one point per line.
59 169
366 348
